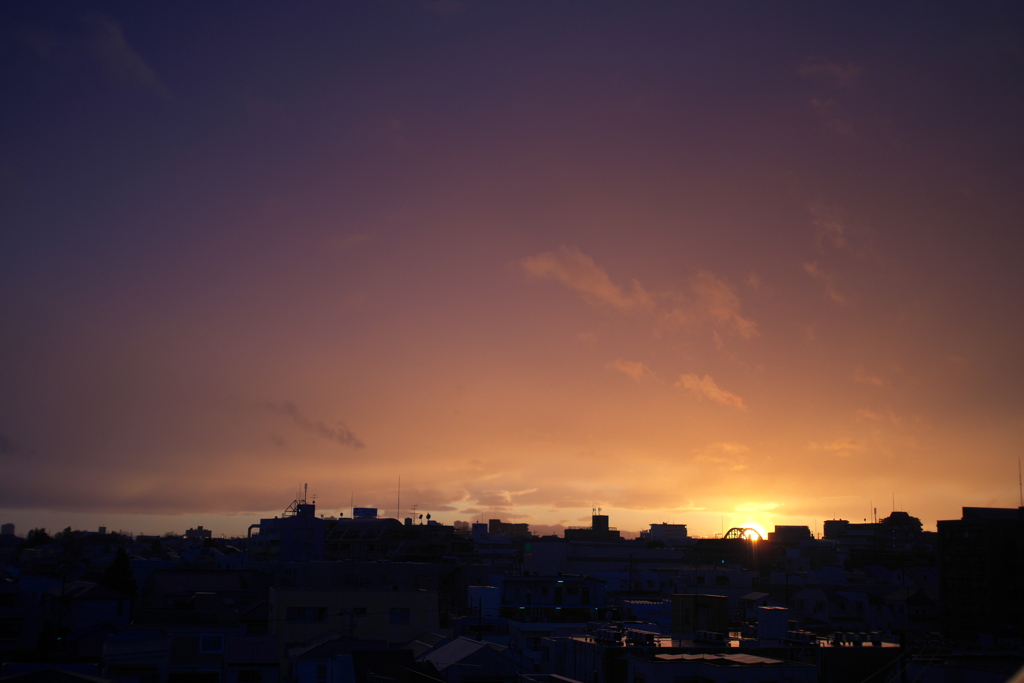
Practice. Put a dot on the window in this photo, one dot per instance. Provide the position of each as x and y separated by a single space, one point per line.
399 615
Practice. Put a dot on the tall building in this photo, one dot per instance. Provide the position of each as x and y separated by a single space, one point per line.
597 531
981 573
296 536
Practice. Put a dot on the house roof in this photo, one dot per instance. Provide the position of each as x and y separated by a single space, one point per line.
425 642
726 659
53 675
754 595
456 651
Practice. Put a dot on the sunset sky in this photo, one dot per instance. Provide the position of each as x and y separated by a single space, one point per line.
696 262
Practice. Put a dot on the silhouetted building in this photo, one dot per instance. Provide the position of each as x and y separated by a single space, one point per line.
692 613
669 534
297 536
198 535
981 569
790 535
896 541
496 527
597 531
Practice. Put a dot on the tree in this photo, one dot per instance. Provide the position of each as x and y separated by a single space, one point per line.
36 538
119 575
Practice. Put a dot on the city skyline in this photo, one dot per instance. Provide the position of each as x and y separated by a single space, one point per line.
690 263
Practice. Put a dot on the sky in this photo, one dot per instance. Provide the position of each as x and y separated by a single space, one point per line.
713 264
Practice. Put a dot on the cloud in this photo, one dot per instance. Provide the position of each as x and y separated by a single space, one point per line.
842 447
119 62
634 369
829 229
729 455
827 111
709 301
861 376
752 506
720 302
339 433
838 74
868 415
578 272
817 273
500 499
705 387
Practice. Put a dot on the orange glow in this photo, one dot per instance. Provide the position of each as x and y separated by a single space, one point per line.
676 301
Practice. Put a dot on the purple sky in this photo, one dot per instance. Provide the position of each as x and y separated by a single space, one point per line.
704 263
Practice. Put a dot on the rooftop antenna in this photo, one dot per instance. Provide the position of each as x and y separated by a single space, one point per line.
398 510
305 491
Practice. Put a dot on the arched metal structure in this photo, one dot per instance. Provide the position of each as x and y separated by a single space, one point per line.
740 532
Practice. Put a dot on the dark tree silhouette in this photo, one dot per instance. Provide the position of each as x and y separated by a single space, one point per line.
36 538
119 575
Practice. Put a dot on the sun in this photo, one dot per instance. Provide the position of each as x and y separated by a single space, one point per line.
756 527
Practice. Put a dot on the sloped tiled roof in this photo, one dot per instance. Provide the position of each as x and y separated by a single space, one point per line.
457 650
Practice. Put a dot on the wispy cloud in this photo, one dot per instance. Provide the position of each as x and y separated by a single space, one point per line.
827 110
339 433
728 455
753 506
826 279
578 272
705 387
829 228
862 376
635 369
841 447
710 300
838 74
873 416
721 303
119 61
